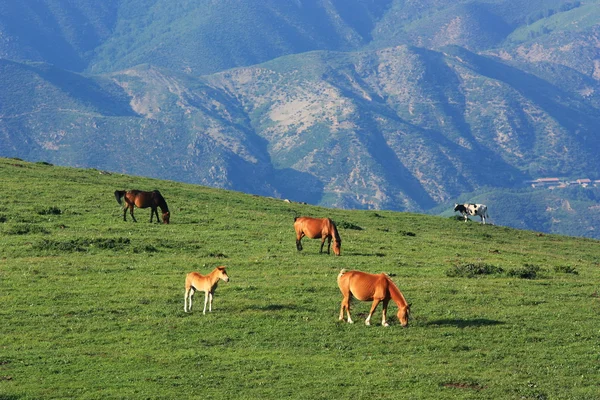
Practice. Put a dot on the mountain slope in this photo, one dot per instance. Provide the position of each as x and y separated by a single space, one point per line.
401 128
192 36
62 33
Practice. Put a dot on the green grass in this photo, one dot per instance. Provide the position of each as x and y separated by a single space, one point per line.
92 306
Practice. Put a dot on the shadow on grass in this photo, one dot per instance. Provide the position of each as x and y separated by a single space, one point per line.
274 307
464 323
364 254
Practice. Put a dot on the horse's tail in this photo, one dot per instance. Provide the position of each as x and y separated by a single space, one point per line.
342 272
119 196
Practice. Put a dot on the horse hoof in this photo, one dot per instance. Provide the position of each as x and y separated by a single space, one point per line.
385 324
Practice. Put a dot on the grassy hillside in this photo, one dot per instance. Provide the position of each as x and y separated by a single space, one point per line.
92 306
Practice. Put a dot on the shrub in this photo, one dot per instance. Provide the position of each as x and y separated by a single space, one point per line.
70 245
473 270
24 229
348 225
145 249
528 271
50 211
216 254
565 269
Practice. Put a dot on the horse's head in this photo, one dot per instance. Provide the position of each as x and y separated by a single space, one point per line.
403 315
223 274
337 247
166 216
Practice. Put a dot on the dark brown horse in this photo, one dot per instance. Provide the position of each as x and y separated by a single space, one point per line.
370 287
142 199
318 228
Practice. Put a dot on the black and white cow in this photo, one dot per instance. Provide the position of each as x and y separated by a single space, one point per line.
472 209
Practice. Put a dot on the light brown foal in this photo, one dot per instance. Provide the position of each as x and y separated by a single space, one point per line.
204 283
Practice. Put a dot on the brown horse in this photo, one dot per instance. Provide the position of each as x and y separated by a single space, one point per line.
367 287
317 228
205 283
142 199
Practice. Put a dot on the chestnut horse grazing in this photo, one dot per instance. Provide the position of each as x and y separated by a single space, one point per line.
367 287
317 228
142 199
205 283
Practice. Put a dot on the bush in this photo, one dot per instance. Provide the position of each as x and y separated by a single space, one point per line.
348 225
529 271
145 249
24 229
565 269
50 211
473 270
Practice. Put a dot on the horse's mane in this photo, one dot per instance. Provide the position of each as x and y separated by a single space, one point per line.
119 195
396 294
162 203
336 235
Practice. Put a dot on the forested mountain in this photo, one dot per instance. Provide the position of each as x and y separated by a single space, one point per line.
391 104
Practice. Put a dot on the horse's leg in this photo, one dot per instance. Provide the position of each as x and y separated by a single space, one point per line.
346 305
299 237
125 213
189 298
328 244
205 301
210 299
373 307
152 211
131 212
185 299
322 243
383 316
